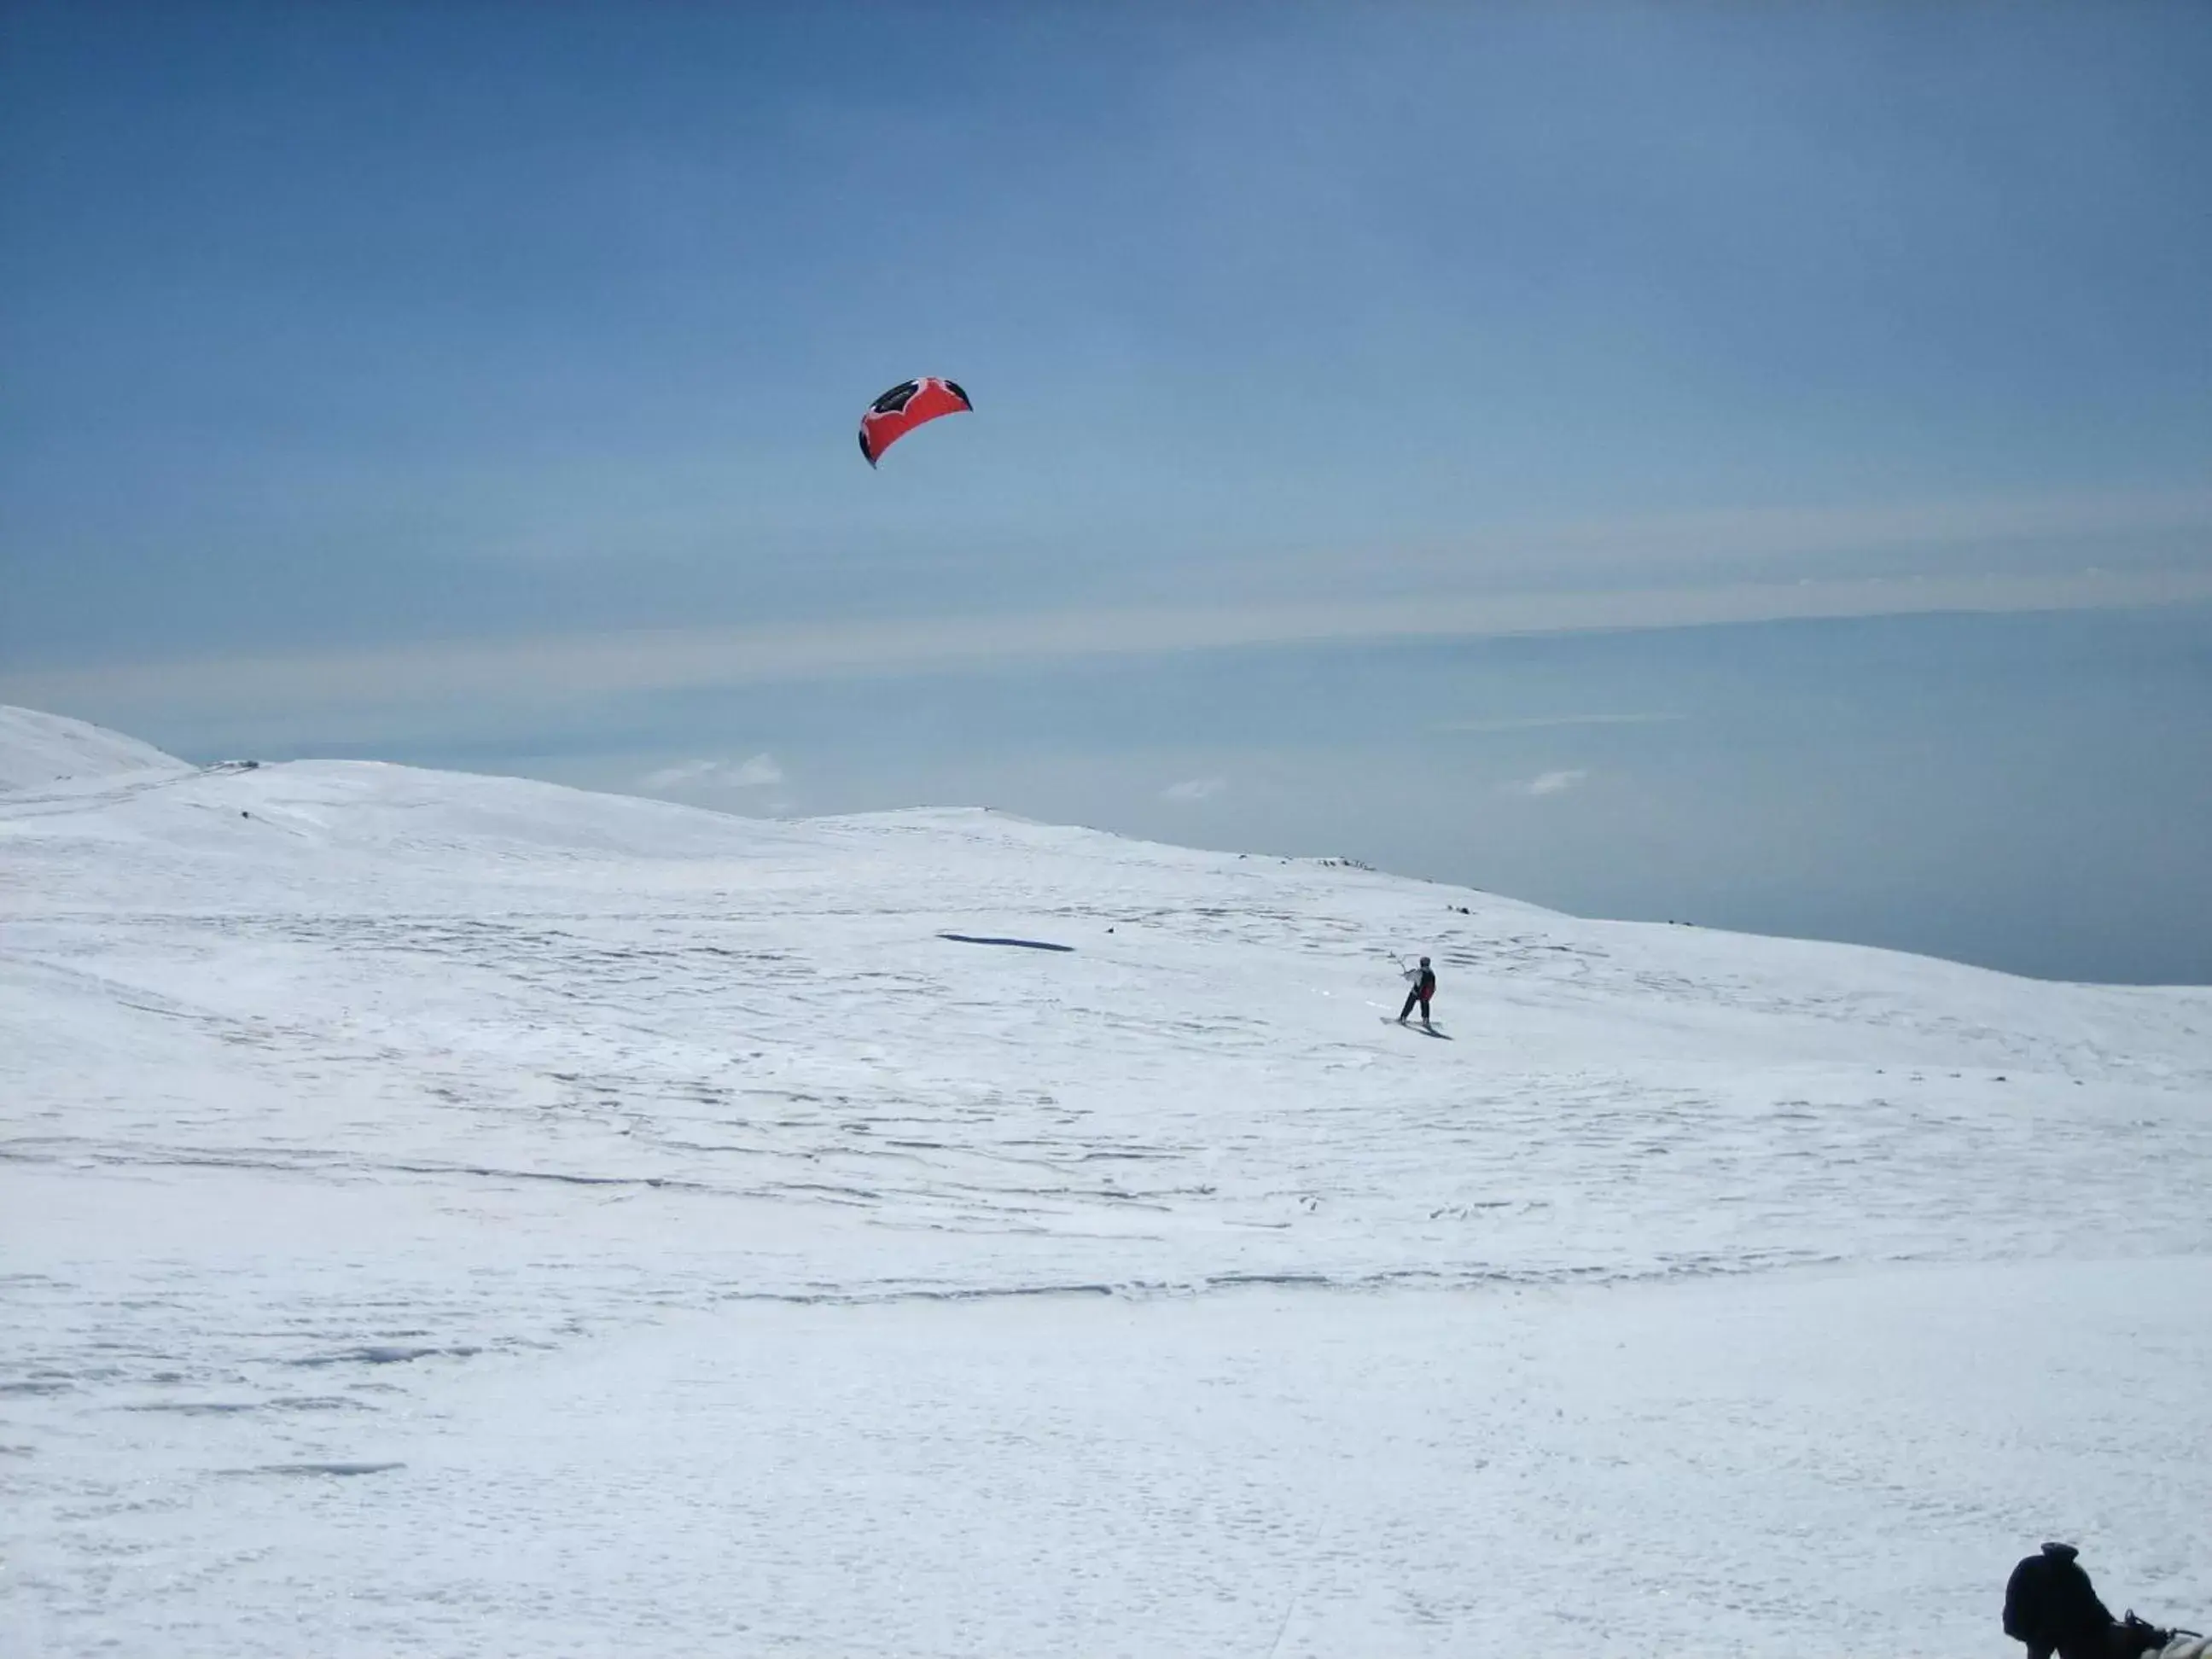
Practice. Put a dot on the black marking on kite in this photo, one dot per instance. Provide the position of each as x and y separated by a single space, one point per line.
898 397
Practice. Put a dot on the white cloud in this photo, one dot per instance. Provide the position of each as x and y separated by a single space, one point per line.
761 772
758 773
1194 789
1550 783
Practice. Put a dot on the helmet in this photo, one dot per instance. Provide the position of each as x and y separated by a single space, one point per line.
1425 962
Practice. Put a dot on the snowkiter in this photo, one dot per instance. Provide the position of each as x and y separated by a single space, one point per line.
2050 1605
1424 987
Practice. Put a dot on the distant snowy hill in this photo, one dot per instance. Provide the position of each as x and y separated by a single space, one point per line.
394 1161
38 749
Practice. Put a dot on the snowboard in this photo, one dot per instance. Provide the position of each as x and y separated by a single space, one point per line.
1425 1031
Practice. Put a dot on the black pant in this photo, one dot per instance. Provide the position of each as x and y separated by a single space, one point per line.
1413 997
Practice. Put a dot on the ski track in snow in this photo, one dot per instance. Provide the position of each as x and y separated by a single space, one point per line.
334 1090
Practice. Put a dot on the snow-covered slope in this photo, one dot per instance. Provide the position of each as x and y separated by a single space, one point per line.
39 749
549 1159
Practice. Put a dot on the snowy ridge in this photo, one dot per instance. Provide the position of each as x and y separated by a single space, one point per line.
37 750
335 1089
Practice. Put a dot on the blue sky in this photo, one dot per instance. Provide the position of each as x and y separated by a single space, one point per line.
1771 430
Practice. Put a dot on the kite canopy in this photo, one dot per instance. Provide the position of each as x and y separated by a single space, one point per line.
906 406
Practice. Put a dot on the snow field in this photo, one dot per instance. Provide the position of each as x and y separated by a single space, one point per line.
457 1214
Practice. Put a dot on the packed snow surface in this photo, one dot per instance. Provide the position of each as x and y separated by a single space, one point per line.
455 1214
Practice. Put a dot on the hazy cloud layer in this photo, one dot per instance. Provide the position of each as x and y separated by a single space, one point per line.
1547 722
553 671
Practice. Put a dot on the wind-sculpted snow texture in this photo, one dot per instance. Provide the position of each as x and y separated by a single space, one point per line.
467 1215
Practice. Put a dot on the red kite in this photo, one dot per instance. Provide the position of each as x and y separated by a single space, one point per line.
905 407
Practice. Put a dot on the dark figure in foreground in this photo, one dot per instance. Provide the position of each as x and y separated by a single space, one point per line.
1424 987
2050 1605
